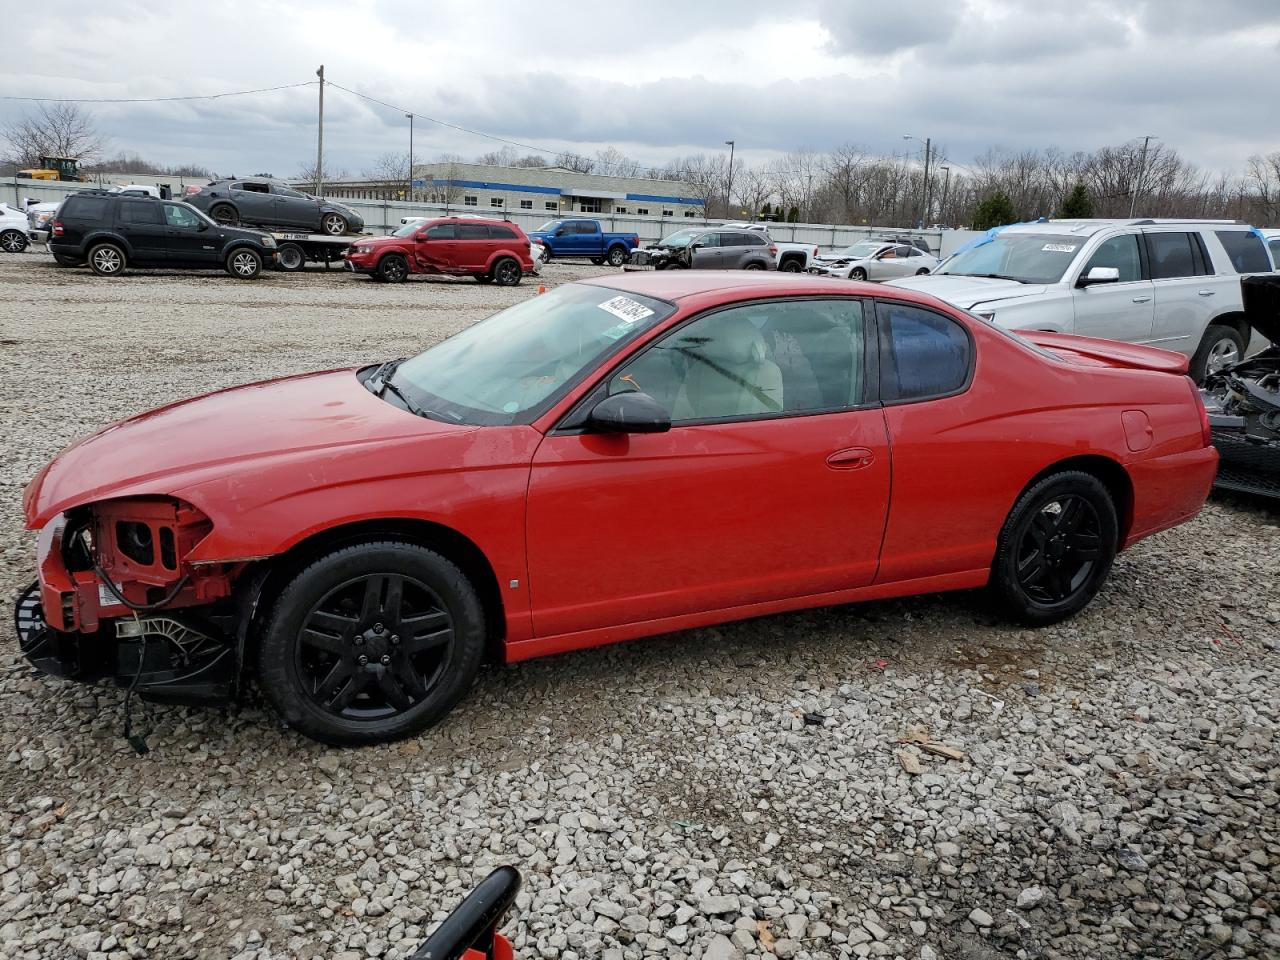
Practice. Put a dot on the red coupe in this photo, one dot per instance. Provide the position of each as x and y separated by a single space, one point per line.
619 457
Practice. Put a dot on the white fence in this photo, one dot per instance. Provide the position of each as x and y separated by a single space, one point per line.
382 216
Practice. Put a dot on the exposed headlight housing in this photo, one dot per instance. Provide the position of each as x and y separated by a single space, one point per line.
268 241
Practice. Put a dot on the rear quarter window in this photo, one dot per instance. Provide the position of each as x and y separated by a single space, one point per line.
1245 250
501 233
85 208
923 354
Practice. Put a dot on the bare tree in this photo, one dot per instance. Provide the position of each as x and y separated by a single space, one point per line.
307 173
575 162
753 188
52 130
612 162
390 167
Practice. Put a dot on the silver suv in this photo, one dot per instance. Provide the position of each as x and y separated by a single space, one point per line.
707 248
1168 283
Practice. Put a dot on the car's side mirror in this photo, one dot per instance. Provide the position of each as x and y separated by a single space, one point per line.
421 237
630 412
696 246
202 226
1099 275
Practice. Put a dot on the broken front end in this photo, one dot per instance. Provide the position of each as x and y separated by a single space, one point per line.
118 600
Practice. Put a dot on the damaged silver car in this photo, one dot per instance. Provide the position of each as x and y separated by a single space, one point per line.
1243 400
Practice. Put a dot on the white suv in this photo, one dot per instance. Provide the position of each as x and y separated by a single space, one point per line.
1169 283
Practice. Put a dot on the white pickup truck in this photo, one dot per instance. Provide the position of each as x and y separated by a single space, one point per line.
792 257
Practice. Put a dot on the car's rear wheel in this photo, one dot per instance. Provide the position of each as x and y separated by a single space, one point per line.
857 273
617 256
225 214
754 265
1220 347
1055 549
244 264
13 241
106 259
791 266
371 643
506 272
334 224
291 257
393 268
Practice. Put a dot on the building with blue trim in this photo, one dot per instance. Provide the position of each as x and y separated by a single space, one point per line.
549 191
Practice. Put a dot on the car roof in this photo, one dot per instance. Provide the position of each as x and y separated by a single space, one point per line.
1085 228
676 285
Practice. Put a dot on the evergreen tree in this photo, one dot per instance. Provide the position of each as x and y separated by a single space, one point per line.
793 215
995 211
1077 205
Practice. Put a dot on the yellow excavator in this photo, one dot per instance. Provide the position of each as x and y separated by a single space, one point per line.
55 168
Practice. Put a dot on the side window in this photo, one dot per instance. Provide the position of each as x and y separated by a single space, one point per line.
1245 250
443 231
922 354
84 208
1275 251
763 359
256 187
751 239
472 231
1120 252
178 216
139 211
501 233
1171 255
583 228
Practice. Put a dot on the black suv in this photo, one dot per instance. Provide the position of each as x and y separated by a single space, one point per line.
110 231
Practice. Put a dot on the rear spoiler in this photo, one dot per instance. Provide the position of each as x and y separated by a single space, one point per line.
1112 352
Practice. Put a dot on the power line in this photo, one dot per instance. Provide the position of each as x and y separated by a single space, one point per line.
444 123
201 96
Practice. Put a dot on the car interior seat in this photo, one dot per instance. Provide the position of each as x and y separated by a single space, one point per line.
729 372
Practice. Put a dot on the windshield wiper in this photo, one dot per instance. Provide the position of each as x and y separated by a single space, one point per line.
990 276
380 382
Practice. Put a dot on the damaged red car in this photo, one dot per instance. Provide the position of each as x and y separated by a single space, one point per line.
617 458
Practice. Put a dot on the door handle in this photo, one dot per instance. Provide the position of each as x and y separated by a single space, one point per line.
854 458
1141 299
1206 293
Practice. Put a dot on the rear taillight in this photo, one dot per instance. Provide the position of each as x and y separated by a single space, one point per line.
57 228
1206 431
773 249
815 251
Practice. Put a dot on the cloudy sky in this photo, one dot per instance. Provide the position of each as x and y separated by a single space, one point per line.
658 78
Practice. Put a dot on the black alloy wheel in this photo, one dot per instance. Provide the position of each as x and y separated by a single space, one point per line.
393 268
1056 548
372 642
506 272
791 266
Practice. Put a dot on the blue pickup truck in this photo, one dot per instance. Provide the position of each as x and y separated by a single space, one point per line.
585 238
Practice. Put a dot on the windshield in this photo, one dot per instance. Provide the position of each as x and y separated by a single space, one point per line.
549 226
508 368
407 230
859 251
1025 257
680 238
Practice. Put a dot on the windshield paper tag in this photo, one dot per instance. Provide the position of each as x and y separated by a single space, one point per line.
626 309
1059 247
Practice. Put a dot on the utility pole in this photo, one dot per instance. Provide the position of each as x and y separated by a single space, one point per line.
1142 172
928 146
320 136
728 190
946 183
410 116
808 200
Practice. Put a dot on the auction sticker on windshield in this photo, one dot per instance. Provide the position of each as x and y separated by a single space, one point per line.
624 308
1059 247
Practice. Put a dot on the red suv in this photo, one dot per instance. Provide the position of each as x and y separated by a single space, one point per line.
489 250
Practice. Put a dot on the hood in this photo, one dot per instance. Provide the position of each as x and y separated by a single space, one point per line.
228 433
1261 295
968 292
387 241
233 233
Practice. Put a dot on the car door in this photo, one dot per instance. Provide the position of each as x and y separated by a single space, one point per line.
586 239
773 481
704 252
294 209
141 224
472 247
253 200
436 247
892 263
1184 301
189 236
1114 311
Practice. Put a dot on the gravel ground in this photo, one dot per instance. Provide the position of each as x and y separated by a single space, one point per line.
755 789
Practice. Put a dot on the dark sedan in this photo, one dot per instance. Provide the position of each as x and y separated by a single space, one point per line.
269 203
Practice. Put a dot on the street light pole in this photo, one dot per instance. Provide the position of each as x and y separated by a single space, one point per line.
928 146
320 135
410 116
1142 172
946 183
728 190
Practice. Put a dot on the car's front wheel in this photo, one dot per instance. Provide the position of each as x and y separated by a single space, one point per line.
334 224
106 259
244 264
13 241
1220 347
372 642
506 272
1055 549
857 273
393 268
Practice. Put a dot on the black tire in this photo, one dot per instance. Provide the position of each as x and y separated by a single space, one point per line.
754 265
1220 347
1055 549
617 255
857 273
106 259
597 261
393 268
13 241
922 271
792 265
334 224
291 257
506 272
351 604
225 214
244 263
